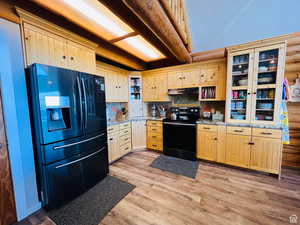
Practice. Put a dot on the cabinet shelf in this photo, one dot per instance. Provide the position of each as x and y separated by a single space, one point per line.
238 64
265 99
239 88
267 110
240 74
239 99
266 86
268 71
268 60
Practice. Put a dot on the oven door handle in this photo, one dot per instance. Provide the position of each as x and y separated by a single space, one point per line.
180 124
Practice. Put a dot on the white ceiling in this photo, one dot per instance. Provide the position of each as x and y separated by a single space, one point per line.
220 23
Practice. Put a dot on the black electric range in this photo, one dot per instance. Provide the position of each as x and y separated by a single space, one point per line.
180 134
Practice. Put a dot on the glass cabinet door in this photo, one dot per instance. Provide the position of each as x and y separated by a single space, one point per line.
239 86
267 84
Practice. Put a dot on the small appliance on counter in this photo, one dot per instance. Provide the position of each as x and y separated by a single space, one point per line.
153 111
179 132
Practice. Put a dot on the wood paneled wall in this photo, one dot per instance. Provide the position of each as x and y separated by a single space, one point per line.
7 201
291 152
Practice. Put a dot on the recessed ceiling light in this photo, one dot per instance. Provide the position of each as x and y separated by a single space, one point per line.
97 16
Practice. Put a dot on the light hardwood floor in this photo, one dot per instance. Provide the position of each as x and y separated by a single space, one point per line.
219 195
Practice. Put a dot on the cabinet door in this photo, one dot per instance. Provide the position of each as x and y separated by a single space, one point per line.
113 147
238 150
148 88
123 91
207 145
239 87
37 47
221 144
209 75
190 78
174 80
87 60
73 56
266 154
139 134
161 88
267 84
111 87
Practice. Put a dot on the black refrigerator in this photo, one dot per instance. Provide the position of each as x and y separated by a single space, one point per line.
68 115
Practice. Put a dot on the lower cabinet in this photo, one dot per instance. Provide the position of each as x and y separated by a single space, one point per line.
119 140
138 129
155 135
253 148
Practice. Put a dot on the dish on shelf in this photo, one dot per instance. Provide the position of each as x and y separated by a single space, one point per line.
265 106
238 117
236 72
268 117
263 80
263 69
243 82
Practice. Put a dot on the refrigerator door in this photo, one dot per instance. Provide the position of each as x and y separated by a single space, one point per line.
94 103
57 103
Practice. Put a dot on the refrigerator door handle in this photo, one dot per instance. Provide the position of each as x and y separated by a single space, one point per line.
76 143
78 160
85 102
80 101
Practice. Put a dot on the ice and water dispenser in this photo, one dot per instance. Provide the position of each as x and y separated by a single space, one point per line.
58 112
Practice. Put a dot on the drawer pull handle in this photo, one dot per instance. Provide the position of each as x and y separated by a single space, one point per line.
206 128
154 136
266 133
126 148
154 145
251 143
215 139
110 129
239 131
125 131
126 139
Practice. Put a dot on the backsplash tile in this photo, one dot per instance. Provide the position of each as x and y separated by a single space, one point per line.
114 111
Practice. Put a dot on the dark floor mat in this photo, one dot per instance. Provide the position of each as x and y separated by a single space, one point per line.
91 207
175 165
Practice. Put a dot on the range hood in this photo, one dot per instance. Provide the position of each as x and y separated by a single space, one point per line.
184 91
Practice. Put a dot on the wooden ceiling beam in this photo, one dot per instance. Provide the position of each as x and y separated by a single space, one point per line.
132 34
154 16
208 55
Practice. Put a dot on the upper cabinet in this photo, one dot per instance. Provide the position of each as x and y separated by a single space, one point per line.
155 87
49 44
254 85
116 82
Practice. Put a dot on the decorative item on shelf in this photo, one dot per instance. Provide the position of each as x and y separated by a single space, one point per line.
239 105
218 116
265 106
233 105
263 69
235 94
153 111
295 90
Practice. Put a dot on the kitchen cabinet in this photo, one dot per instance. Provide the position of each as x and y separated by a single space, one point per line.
207 145
119 140
155 135
138 134
266 150
211 142
183 79
254 85
116 82
155 87
46 47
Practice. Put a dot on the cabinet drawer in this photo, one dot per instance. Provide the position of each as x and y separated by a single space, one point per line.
204 127
270 133
125 148
125 131
154 136
112 135
125 126
113 128
154 123
156 145
154 129
124 139
239 130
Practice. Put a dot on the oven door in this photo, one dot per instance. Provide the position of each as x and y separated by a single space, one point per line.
180 140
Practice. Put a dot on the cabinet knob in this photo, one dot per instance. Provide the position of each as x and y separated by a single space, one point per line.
64 57
248 93
215 139
254 93
111 139
72 58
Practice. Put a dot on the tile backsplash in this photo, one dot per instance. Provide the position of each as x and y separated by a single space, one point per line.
114 111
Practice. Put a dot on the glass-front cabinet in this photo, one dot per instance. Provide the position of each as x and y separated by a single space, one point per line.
254 85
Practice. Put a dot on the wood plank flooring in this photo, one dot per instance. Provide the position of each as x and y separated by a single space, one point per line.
219 195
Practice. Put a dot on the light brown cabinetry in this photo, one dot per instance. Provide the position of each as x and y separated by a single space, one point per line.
119 140
266 150
238 150
46 47
155 135
116 82
253 148
183 79
211 142
254 84
138 134
155 87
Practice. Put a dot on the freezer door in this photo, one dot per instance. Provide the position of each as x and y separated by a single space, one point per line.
94 103
57 103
